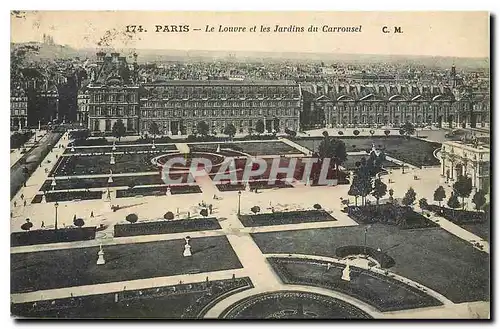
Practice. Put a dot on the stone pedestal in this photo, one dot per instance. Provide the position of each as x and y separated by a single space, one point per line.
153 146
72 149
100 257
44 199
110 179
346 273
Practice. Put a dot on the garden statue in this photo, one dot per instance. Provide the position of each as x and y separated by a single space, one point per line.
218 148
112 160
100 258
169 192
346 273
187 247
114 146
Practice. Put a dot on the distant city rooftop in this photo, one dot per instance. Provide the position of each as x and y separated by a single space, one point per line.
222 82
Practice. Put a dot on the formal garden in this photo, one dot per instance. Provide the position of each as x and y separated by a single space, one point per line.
34 271
432 257
253 148
180 301
292 305
382 292
398 147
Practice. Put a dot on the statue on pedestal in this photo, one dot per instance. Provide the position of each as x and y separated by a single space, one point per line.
100 256
346 273
114 146
112 160
187 247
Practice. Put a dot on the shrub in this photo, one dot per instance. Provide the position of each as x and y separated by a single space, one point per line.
204 212
317 206
356 132
340 132
255 209
79 222
422 203
169 215
131 218
27 226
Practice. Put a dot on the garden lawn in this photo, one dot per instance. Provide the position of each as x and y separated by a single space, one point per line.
77 266
432 257
252 148
398 147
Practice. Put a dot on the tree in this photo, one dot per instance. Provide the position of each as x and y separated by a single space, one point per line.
462 188
255 209
230 130
204 212
317 206
479 199
439 195
391 195
119 129
453 202
409 197
422 203
340 132
131 218
27 226
154 129
333 149
379 189
78 222
259 126
202 128
169 215
387 132
354 190
356 132
290 133
408 129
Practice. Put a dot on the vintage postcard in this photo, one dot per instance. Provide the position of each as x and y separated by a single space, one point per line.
250 165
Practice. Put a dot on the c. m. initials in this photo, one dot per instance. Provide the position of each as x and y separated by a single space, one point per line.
396 29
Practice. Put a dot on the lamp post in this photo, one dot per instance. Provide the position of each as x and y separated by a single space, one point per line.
366 231
239 202
55 206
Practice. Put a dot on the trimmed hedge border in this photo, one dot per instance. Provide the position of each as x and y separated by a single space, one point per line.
165 227
52 236
284 218
384 214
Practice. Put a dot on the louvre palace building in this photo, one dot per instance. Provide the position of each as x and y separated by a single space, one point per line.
178 106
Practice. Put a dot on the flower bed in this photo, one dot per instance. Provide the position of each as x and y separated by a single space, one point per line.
283 218
391 215
187 301
157 191
227 187
165 227
382 292
68 196
52 236
458 216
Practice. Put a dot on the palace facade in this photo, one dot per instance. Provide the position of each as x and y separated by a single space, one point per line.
388 104
178 106
113 95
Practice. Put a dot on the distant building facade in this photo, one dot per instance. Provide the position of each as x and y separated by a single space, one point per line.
18 108
393 105
467 159
83 100
178 106
113 95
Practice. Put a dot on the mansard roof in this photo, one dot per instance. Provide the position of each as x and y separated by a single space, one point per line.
384 92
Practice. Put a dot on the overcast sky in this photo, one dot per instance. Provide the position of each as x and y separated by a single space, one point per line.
456 34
